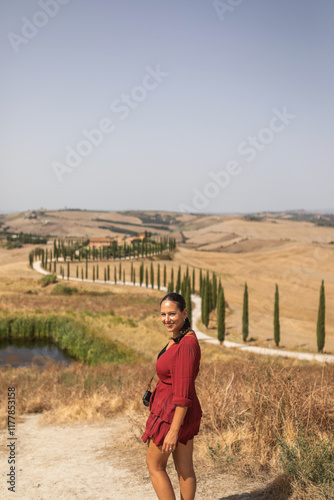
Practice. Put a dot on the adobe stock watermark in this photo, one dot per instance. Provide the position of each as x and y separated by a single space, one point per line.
312 264
121 107
226 6
248 148
40 19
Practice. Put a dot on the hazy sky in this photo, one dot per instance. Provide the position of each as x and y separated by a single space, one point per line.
189 105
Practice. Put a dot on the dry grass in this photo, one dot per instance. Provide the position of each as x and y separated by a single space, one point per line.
256 408
250 404
77 392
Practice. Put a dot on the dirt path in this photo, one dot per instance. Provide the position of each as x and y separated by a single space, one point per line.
102 460
75 461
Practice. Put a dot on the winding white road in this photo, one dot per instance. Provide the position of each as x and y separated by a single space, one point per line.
196 315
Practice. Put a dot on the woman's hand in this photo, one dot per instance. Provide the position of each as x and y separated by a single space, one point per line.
170 441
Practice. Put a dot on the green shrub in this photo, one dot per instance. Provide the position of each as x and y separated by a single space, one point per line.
48 279
61 289
119 320
13 244
310 460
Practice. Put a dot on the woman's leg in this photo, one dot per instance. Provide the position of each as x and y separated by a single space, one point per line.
183 460
156 462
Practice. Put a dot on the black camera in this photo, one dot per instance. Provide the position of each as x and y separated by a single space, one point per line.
146 398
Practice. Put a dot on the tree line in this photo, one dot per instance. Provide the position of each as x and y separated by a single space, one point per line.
75 250
320 328
209 288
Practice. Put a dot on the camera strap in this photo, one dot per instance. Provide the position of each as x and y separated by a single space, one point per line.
150 382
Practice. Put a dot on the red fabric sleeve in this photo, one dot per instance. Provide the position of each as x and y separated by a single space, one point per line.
184 371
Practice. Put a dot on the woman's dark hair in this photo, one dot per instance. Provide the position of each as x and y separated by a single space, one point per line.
181 303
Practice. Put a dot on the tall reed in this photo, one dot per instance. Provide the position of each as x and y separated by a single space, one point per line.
78 340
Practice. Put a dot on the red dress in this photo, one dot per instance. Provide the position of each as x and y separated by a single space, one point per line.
177 369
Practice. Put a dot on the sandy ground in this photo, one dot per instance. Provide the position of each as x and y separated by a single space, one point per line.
100 460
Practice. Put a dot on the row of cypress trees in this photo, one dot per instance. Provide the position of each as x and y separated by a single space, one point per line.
321 329
75 250
209 293
210 290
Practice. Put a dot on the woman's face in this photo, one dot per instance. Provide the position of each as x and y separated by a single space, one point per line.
172 317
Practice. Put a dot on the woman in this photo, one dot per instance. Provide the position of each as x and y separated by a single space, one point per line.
175 411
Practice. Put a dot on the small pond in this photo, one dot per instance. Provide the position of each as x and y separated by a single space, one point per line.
30 352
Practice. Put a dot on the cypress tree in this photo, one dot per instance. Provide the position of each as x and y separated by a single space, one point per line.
146 277
188 302
245 319
172 279
277 332
193 284
77 271
221 316
131 278
209 293
86 269
321 319
82 274
68 270
205 299
184 286
214 291
141 273
158 277
124 276
97 271
202 302
93 273
134 276
165 275
108 272
178 280
105 274
115 275
200 283
120 271
152 276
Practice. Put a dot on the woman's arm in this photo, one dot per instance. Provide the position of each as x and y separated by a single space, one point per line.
171 436
183 374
